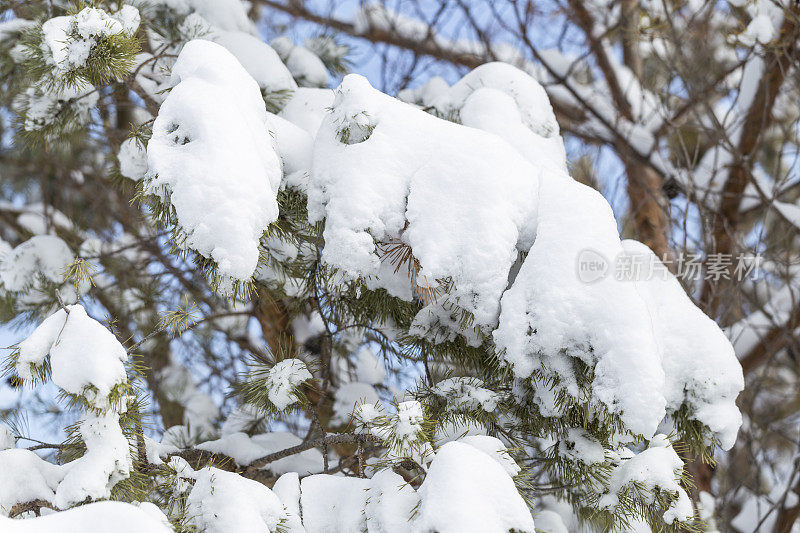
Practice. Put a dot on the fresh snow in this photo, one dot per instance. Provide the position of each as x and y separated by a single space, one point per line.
283 380
45 255
486 495
86 359
222 502
99 517
212 154
462 199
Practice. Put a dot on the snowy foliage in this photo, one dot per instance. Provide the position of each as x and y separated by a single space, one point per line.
389 285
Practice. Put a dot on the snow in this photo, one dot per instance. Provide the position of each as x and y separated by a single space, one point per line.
99 517
307 327
500 98
760 512
258 59
107 461
178 384
577 445
467 491
7 439
332 503
699 362
71 38
462 199
132 159
244 449
43 104
26 477
41 219
308 461
226 15
347 397
391 503
306 67
46 255
86 359
221 502
549 315
307 108
369 368
494 448
283 380
549 522
657 467
212 155
466 393
287 489
294 145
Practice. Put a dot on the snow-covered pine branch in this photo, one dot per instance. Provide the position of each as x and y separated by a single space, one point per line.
391 334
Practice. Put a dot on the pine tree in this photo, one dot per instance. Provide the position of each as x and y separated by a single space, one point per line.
325 309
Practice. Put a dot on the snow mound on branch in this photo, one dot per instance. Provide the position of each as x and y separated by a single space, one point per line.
92 518
702 371
466 393
550 316
7 439
461 199
283 380
306 67
212 157
85 358
46 255
132 159
26 477
258 59
501 99
307 108
226 15
106 462
244 449
657 467
467 490
221 502
71 38
383 504
333 503
494 448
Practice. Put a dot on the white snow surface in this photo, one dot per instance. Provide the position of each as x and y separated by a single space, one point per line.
106 462
656 467
212 154
700 365
306 67
26 477
85 358
99 517
132 159
462 199
549 315
71 38
283 380
258 59
45 255
486 497
307 108
222 502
